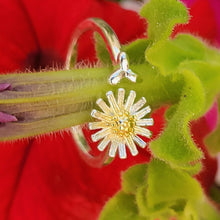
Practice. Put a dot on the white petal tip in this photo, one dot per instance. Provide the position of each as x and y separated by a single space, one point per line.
93 112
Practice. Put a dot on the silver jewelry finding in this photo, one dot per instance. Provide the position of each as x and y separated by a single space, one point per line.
122 122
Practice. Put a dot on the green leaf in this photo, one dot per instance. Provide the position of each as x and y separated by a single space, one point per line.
134 178
170 193
122 206
175 145
213 142
159 192
167 56
174 185
136 50
215 193
162 15
208 73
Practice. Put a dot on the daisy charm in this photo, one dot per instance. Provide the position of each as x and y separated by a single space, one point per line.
121 123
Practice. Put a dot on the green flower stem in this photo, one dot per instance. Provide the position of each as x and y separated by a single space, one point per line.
50 101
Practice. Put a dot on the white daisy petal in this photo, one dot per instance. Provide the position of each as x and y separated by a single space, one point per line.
103 144
130 100
142 131
145 122
131 145
100 134
97 125
122 151
99 115
121 96
113 149
103 106
138 105
139 141
112 102
143 112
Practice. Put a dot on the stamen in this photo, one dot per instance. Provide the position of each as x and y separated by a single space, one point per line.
4 86
4 118
97 125
99 115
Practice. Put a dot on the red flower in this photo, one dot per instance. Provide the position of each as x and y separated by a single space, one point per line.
44 177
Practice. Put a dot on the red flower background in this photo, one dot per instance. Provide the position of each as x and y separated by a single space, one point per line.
45 177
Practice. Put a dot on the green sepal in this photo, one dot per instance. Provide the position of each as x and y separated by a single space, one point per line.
162 16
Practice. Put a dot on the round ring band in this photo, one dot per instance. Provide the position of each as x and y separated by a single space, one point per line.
117 57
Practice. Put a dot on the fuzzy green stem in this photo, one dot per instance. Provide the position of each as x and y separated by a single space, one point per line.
50 101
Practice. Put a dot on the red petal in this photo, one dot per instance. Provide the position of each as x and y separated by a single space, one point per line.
47 179
200 129
60 20
17 37
202 23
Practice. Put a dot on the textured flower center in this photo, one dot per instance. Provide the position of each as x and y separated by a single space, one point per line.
123 124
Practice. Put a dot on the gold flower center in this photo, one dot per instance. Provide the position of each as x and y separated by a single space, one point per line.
123 124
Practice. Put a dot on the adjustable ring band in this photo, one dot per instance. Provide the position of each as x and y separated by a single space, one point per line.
106 32
112 43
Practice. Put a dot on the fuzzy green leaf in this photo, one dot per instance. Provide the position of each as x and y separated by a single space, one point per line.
173 185
122 206
159 193
213 142
175 145
167 56
136 50
134 178
162 16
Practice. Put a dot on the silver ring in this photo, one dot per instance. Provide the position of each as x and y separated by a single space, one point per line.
117 57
